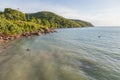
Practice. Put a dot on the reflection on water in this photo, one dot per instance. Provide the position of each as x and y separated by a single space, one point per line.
66 55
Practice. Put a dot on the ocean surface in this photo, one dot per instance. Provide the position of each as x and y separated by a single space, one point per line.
69 54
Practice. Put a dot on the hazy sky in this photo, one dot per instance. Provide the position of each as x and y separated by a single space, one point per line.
99 12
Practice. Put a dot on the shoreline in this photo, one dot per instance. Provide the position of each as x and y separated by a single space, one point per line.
6 38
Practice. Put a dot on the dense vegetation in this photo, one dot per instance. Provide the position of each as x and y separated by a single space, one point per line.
83 23
14 22
55 21
11 14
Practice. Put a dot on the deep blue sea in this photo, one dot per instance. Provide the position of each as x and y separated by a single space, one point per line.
91 53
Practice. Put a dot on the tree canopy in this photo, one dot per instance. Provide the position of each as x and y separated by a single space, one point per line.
16 22
55 21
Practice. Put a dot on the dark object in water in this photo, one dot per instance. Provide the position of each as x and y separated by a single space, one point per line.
27 49
99 36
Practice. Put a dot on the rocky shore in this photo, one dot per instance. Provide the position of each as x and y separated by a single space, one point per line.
4 37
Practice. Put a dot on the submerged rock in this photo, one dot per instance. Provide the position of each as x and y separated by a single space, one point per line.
27 49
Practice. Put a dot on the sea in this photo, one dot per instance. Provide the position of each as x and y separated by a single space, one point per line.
91 53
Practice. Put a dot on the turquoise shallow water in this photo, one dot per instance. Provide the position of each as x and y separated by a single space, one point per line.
70 54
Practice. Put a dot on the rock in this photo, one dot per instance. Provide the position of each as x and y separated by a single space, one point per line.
38 33
1 40
27 49
42 31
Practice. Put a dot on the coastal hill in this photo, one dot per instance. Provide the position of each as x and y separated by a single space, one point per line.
14 23
83 23
56 21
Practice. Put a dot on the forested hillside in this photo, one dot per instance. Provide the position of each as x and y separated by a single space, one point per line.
53 20
14 22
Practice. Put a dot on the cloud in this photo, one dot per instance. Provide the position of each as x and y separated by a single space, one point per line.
106 20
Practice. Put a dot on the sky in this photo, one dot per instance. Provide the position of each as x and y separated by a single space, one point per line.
98 12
